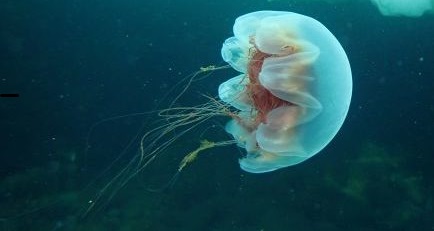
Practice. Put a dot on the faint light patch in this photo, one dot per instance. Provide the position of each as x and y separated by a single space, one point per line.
382 80
399 63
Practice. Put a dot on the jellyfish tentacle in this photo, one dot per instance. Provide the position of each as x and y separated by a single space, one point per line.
158 139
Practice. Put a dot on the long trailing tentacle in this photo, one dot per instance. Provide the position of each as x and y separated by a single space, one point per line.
174 123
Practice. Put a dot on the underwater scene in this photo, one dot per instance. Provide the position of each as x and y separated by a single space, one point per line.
249 115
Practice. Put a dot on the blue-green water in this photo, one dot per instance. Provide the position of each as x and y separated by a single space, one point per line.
77 62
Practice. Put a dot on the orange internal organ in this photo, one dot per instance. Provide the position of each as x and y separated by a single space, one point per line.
262 99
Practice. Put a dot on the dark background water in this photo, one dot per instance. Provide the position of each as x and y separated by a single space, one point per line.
77 62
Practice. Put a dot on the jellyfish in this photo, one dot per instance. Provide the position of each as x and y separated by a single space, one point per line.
409 8
293 91
289 100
